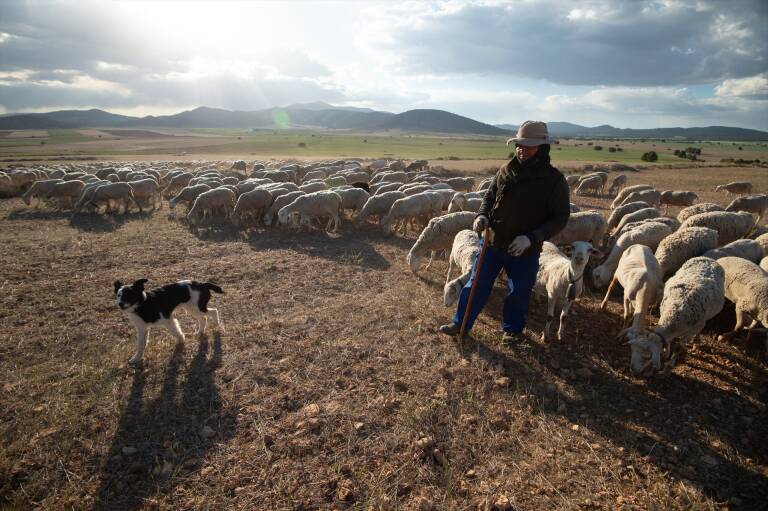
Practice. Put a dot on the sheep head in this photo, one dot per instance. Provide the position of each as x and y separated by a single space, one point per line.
647 349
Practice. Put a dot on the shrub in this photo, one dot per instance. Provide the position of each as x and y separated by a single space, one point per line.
740 148
302 144
650 156
611 149
598 148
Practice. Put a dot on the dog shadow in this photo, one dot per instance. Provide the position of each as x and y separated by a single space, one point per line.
161 441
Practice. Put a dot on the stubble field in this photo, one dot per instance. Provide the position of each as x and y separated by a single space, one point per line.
331 388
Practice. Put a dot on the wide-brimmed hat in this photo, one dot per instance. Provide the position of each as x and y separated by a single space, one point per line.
531 133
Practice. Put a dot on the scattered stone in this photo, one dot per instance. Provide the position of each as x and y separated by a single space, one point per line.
575 427
358 426
425 443
502 382
206 471
501 504
311 410
471 473
344 492
440 458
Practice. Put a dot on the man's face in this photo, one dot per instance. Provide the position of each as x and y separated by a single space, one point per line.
523 152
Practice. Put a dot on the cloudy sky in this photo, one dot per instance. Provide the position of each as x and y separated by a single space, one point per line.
628 63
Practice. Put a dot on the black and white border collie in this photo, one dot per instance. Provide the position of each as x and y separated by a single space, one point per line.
146 309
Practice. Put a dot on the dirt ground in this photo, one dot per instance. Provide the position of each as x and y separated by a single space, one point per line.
330 387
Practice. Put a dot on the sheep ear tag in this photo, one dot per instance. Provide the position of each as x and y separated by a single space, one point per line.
571 292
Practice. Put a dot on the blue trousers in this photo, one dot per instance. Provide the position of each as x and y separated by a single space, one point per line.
521 277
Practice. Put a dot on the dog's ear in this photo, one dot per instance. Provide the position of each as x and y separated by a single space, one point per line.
139 284
118 285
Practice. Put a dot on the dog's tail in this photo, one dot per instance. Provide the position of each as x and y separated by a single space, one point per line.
213 287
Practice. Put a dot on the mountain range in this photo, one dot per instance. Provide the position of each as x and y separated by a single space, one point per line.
319 115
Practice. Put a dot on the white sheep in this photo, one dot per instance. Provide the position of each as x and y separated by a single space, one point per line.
278 203
571 179
695 294
209 203
314 186
636 216
250 207
378 205
617 214
625 192
764 264
677 198
730 226
461 202
410 209
735 187
593 183
701 207
187 195
561 279
763 240
352 199
639 274
439 234
385 187
39 189
757 204
750 250
670 222
746 285
414 188
617 184
176 183
652 197
466 247
313 205
66 192
147 191
461 184
107 194
682 245
649 234
582 226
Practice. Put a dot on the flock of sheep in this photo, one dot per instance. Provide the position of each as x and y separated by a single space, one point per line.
686 265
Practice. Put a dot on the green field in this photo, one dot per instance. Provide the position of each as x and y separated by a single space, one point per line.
327 144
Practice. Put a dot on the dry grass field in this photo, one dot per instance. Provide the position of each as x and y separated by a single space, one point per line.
331 388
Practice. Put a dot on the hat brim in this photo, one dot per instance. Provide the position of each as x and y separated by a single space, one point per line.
529 141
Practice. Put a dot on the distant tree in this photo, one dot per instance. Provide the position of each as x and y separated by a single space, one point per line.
740 148
650 156
610 149
302 144
598 148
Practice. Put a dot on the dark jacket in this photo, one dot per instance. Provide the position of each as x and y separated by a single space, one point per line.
531 199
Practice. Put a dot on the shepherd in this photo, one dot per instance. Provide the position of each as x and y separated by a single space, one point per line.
527 203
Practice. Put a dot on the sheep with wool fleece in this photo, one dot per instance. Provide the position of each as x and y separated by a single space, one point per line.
652 197
757 204
465 249
439 234
278 203
187 195
636 216
626 191
751 250
207 203
746 285
701 207
617 183
730 226
250 207
620 212
313 205
408 210
649 234
560 278
694 294
39 189
582 226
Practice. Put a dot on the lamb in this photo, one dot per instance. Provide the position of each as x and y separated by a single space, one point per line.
314 186
649 234
652 197
750 250
313 205
250 206
746 285
682 245
561 279
618 213
627 191
701 207
735 187
729 226
106 193
571 179
677 198
594 183
617 184
695 294
639 273
39 189
582 226
378 205
640 214
439 234
757 204
409 209
207 203
466 248
278 203
187 195
66 192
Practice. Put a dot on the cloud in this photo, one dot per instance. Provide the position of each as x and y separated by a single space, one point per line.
624 42
753 87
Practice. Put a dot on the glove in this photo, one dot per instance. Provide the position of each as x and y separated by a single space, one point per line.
519 245
481 224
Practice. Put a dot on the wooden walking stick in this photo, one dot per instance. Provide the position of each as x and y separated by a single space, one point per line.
481 257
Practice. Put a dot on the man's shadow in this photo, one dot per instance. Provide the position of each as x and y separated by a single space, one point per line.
158 442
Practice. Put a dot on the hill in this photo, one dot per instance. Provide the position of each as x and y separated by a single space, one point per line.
567 129
439 121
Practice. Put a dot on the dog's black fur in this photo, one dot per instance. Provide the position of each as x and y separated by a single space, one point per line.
163 300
